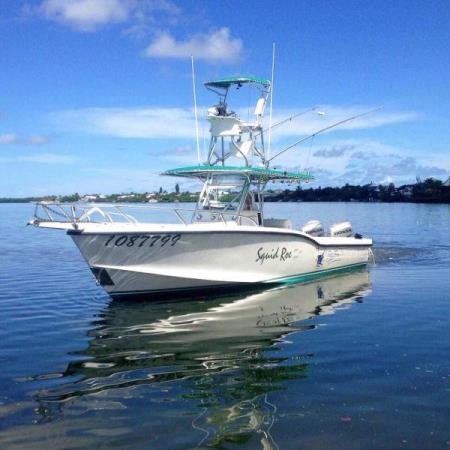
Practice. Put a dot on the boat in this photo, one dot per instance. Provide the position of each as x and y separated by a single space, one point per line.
225 241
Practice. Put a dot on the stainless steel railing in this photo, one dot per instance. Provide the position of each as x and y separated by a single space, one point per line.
78 213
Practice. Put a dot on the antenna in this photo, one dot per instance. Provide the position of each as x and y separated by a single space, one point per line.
271 101
195 111
329 127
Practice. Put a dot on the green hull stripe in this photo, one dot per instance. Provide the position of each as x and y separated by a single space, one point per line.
285 280
317 274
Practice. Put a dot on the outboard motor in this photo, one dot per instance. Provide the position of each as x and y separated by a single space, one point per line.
341 229
313 228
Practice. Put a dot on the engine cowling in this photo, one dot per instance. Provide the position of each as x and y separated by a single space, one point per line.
341 229
313 228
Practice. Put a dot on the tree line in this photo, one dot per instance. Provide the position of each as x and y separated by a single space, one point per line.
429 191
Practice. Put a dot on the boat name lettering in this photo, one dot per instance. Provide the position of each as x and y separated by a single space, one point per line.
141 240
279 254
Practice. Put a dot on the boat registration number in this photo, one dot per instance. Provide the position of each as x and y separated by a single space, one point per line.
142 240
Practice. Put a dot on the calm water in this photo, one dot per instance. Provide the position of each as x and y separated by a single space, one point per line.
351 362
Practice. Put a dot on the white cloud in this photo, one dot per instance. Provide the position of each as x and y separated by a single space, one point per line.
8 139
156 123
217 46
336 161
150 15
312 122
334 151
91 15
366 161
107 179
87 15
49 158
43 158
141 18
178 123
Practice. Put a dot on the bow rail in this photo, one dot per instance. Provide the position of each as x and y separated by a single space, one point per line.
80 213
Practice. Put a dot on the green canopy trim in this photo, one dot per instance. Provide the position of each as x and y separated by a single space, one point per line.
254 173
225 83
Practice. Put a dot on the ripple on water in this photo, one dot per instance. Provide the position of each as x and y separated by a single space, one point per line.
341 365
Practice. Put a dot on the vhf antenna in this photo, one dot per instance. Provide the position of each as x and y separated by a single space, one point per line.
195 110
271 102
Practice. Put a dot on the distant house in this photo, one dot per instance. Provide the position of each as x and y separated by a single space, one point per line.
125 196
89 198
406 191
152 197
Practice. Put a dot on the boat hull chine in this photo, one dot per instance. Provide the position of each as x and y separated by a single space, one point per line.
166 291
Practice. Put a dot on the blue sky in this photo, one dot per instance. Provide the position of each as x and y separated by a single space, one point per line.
96 94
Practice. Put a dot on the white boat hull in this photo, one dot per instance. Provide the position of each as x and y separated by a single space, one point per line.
171 259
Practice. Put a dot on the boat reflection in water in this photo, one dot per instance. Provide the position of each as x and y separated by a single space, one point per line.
220 353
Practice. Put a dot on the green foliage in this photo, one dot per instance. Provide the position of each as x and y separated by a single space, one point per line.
429 191
70 198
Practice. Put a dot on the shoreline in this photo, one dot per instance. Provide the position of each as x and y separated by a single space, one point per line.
20 201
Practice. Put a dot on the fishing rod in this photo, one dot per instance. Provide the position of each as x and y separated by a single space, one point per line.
315 108
329 127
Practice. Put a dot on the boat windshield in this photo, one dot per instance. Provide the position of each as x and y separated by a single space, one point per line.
224 192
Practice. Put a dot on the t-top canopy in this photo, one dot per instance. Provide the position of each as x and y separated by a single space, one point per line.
225 83
254 173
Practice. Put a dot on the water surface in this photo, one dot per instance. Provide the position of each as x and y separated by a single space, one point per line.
356 361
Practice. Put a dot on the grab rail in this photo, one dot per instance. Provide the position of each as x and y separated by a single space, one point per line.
75 214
